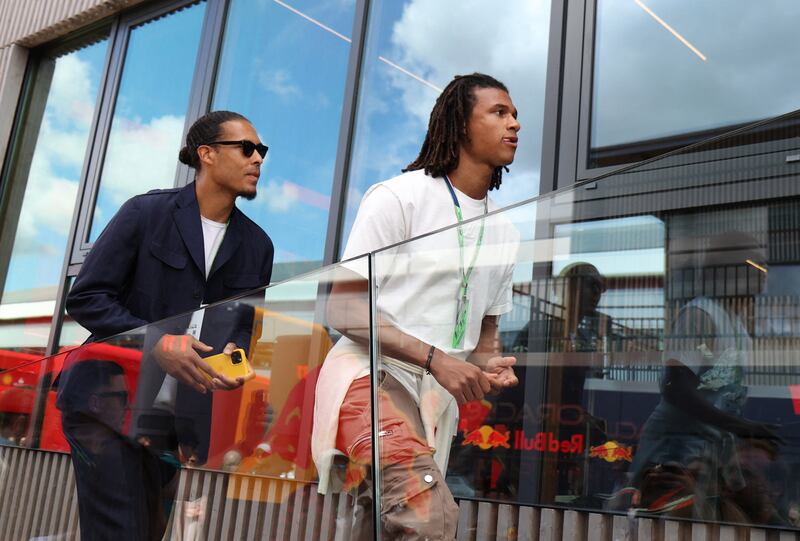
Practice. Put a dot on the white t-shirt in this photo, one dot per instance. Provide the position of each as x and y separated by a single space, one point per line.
418 283
213 233
417 289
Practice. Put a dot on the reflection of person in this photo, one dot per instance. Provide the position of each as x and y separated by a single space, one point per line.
94 405
164 253
16 405
686 458
585 327
426 326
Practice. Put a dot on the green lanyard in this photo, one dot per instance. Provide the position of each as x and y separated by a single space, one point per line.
464 274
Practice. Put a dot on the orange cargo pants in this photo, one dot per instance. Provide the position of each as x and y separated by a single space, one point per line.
415 501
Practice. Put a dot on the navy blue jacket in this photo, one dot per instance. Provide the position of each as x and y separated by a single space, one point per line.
149 264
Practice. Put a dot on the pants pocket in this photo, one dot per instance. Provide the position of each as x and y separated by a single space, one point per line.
416 503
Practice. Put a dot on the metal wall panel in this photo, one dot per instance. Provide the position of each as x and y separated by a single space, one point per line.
34 22
37 498
13 60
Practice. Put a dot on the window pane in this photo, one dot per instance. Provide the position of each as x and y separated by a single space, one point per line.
151 105
49 175
672 72
410 58
283 66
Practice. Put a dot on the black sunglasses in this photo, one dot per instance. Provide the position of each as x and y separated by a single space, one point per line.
247 147
121 395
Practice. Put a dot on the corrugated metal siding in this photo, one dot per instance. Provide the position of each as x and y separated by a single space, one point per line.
37 498
33 22
37 494
5 54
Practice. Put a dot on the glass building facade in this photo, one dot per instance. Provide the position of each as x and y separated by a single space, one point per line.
655 300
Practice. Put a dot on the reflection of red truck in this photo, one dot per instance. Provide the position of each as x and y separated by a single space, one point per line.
286 353
28 374
52 438
18 369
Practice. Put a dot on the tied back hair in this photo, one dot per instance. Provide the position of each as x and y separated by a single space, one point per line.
447 127
205 130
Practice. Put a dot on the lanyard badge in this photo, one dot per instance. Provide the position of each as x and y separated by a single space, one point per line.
464 274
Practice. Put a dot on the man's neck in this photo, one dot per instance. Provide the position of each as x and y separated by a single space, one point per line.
215 203
471 178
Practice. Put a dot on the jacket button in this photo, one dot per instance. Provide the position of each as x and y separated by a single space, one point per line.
196 295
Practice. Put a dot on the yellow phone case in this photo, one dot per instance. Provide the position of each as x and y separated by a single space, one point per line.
231 366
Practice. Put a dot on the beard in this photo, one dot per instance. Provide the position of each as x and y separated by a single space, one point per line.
249 196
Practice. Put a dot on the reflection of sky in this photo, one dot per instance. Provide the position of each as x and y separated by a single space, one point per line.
649 84
150 110
49 201
632 246
287 75
508 41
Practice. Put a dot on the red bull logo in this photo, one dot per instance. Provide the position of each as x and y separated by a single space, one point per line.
548 442
611 451
472 415
487 437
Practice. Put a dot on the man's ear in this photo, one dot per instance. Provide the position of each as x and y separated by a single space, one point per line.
206 154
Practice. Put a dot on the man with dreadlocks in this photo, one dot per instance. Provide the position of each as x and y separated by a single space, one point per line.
437 315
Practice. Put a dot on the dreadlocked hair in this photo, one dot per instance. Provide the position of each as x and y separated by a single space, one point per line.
447 127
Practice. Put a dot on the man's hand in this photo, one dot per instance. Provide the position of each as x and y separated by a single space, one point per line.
223 382
177 356
465 381
500 373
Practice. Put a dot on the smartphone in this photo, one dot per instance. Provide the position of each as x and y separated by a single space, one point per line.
231 366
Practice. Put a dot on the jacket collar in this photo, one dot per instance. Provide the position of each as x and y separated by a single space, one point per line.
187 219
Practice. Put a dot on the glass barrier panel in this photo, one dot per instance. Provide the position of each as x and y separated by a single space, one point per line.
637 336
133 413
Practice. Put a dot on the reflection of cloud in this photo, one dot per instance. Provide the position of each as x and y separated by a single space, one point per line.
508 42
648 84
279 197
54 174
136 160
70 101
284 195
279 83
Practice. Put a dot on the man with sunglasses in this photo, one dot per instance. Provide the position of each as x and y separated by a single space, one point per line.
164 253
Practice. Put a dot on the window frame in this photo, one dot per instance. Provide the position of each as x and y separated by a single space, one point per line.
573 133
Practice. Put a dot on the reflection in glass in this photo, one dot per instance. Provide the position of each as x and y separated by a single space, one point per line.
49 168
669 73
409 59
283 66
17 398
149 111
110 411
